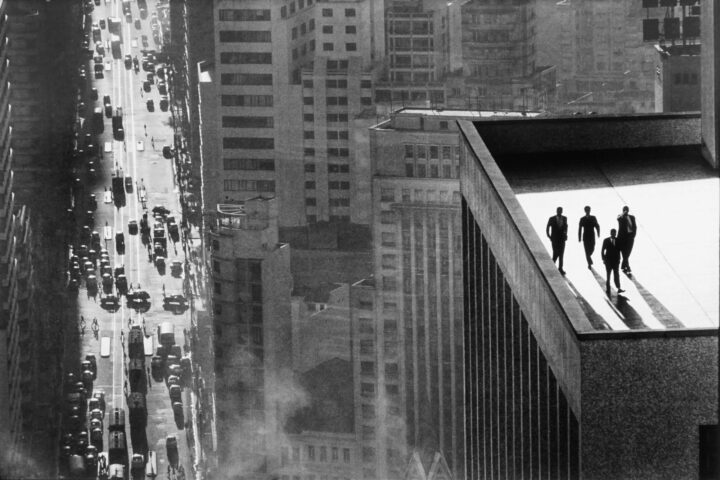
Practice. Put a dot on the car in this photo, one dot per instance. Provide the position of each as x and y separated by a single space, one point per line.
173 380
138 25
96 438
146 86
93 94
100 395
175 392
176 268
97 413
99 70
122 285
171 448
137 465
167 151
102 23
150 105
91 283
93 363
144 39
178 413
100 48
164 103
162 88
133 227
98 59
128 62
109 301
120 242
157 367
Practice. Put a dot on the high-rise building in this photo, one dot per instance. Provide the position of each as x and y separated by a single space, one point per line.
677 78
289 78
566 377
417 270
18 346
500 70
251 292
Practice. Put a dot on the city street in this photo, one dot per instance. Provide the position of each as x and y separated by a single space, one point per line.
138 160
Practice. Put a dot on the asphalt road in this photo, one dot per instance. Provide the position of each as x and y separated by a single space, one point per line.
138 158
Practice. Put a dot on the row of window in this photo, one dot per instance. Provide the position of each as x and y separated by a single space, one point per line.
449 152
314 454
249 186
410 44
244 15
420 170
349 29
367 325
416 27
267 164
246 100
331 152
245 36
246 58
247 121
435 96
303 28
246 79
328 12
248 143
367 390
420 195
330 47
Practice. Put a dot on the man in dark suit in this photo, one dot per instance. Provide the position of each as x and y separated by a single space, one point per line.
556 231
627 229
586 231
610 254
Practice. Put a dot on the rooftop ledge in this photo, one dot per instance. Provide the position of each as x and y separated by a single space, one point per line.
652 163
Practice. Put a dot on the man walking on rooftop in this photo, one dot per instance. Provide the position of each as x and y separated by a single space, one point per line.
586 233
627 229
556 231
610 254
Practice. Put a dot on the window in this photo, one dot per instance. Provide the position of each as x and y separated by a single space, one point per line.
310 202
283 12
311 452
301 4
366 325
350 29
351 47
367 347
365 83
323 454
387 217
328 47
308 117
294 53
327 29
218 288
247 100
367 368
308 83
308 100
334 454
311 23
327 12
216 266
303 29
294 33
267 164
346 455
309 185
308 134
249 58
365 101
311 218
246 79
247 122
244 15
248 143
309 167
309 152
368 454
292 8
388 239
349 12
284 454
387 194
245 36
312 45
443 125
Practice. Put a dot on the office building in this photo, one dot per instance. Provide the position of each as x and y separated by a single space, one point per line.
251 291
499 59
287 81
563 378
677 78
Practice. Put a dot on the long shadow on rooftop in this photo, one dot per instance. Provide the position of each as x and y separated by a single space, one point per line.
661 313
559 171
596 320
630 316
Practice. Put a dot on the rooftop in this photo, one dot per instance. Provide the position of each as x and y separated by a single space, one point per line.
674 196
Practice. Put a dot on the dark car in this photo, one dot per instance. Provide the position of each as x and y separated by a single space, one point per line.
137 24
164 103
157 367
102 23
120 242
133 227
128 62
146 86
167 151
93 94
172 450
162 88
150 105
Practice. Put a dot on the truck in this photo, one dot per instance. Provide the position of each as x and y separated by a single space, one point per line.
136 344
138 410
98 124
166 334
115 47
136 373
115 27
118 189
117 449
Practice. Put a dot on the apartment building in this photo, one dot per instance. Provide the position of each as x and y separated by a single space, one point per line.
677 78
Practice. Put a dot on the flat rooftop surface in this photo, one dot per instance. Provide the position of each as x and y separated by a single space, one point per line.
675 198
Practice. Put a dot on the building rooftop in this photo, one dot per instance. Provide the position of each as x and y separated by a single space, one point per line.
468 114
674 195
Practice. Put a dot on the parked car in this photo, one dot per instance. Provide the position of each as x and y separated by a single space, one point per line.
172 450
150 105
167 151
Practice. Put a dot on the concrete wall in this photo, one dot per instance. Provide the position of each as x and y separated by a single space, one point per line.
642 402
710 80
553 314
589 133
